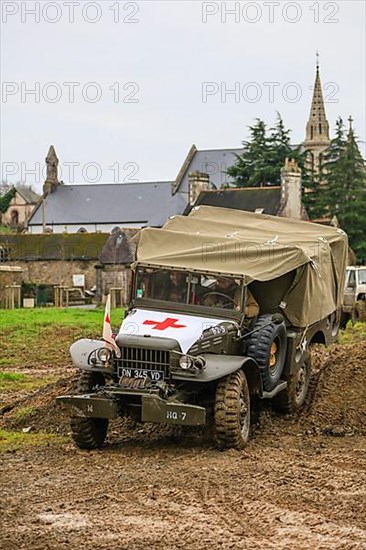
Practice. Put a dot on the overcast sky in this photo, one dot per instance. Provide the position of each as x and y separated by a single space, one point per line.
152 78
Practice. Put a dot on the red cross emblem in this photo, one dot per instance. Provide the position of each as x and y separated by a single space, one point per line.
169 322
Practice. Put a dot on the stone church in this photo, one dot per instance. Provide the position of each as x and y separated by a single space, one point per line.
71 208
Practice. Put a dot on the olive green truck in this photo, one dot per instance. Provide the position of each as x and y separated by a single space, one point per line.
224 307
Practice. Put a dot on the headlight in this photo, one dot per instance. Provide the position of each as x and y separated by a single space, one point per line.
104 355
185 362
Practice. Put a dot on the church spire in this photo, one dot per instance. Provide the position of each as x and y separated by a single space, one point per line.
317 128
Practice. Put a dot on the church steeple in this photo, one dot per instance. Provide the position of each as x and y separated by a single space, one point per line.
317 128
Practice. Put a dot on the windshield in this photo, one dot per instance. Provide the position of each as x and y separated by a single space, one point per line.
362 276
188 288
354 277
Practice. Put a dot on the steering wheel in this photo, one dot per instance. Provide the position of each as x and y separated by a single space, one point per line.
228 300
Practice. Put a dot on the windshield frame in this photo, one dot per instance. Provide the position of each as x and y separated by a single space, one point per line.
161 304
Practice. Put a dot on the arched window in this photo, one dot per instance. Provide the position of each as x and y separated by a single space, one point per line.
14 217
82 230
311 132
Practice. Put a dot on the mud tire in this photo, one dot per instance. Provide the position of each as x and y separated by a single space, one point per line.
344 320
88 433
232 411
259 348
361 310
355 315
292 398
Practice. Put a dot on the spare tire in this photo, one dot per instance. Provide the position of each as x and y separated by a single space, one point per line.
267 345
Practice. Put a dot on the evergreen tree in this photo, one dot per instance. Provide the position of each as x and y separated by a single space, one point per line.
281 149
311 188
264 155
250 167
5 200
343 192
316 199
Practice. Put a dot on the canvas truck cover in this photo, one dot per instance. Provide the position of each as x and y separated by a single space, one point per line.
255 247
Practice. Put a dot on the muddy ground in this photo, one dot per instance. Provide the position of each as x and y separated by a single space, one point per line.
299 484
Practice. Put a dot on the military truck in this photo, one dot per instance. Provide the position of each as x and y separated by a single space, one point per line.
354 303
224 307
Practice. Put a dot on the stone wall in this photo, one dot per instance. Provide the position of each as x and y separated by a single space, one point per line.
57 272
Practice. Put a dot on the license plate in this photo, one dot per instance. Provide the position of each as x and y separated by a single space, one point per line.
154 375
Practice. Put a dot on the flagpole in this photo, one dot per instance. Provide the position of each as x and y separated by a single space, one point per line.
108 337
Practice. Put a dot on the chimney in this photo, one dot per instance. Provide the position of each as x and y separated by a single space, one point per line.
197 182
291 190
52 172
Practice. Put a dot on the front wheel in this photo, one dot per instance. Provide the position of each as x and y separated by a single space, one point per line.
88 433
232 411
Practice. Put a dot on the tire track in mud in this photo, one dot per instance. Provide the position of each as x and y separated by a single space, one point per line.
153 486
278 493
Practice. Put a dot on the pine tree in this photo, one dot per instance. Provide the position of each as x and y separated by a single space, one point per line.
281 149
264 155
311 188
250 167
343 192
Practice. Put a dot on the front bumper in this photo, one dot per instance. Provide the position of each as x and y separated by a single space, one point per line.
88 406
153 409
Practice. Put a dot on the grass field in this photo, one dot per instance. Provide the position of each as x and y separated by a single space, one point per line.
36 337
12 441
90 319
42 336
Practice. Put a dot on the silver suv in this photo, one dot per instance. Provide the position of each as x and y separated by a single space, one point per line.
354 304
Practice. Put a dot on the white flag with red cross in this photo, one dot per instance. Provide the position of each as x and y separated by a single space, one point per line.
108 335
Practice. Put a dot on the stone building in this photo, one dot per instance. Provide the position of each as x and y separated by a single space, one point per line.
21 207
72 208
284 200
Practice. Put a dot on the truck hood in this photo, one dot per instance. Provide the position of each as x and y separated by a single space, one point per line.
185 329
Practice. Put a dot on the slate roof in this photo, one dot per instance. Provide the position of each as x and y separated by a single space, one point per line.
213 162
148 203
249 199
31 197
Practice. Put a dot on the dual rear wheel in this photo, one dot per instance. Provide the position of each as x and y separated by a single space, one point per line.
293 397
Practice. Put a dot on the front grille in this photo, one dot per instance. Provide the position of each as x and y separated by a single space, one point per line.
144 359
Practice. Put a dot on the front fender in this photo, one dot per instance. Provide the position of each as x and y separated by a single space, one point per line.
218 366
81 350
